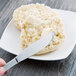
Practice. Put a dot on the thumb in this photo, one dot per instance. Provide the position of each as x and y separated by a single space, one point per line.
2 71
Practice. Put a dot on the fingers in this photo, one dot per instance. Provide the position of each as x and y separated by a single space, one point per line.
2 62
2 71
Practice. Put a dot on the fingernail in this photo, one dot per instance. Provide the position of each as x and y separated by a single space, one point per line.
2 71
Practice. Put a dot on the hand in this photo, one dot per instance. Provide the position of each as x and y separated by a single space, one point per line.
2 70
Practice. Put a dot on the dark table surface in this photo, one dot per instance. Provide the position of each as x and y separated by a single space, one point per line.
30 67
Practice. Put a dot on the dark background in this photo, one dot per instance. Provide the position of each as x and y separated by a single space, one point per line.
30 67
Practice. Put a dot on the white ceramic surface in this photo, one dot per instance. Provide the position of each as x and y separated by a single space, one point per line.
10 40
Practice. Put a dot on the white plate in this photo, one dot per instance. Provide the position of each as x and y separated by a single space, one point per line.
10 40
